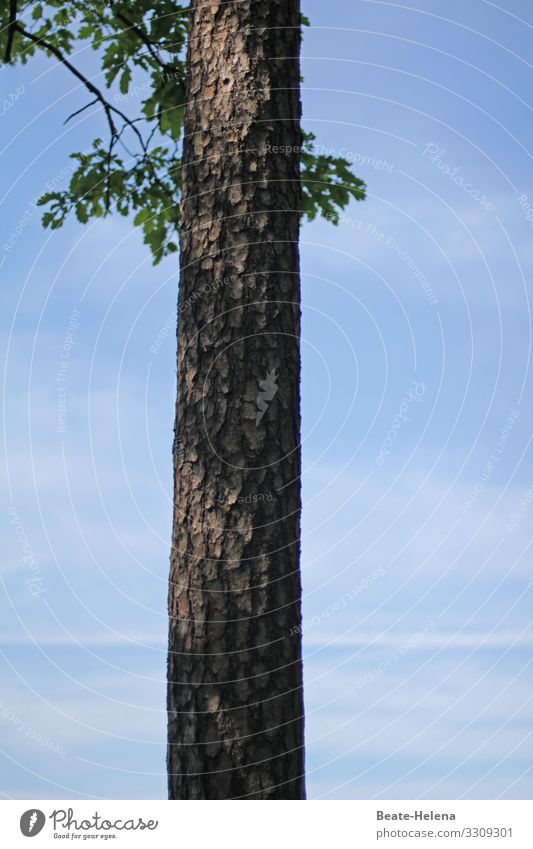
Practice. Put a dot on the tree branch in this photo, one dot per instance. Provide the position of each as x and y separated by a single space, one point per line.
42 42
143 158
109 109
78 111
145 38
11 30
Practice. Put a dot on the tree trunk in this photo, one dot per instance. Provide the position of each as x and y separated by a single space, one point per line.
235 700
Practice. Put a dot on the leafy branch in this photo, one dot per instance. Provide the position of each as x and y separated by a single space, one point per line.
146 37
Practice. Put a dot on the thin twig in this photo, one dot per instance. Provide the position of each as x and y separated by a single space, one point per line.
42 42
109 109
146 40
78 111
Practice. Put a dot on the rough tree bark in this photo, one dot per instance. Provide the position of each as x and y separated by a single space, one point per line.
235 698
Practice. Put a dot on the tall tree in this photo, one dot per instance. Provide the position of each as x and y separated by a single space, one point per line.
235 670
247 174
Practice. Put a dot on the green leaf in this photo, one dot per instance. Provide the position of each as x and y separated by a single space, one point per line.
141 216
81 213
125 79
144 40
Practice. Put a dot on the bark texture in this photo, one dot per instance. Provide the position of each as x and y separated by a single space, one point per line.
235 699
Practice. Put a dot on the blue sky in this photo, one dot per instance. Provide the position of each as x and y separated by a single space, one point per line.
417 408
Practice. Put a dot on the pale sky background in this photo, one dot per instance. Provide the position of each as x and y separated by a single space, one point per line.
418 684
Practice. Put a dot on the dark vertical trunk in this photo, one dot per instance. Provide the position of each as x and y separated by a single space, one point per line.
235 674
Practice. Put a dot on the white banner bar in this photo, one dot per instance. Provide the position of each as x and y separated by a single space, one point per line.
281 825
